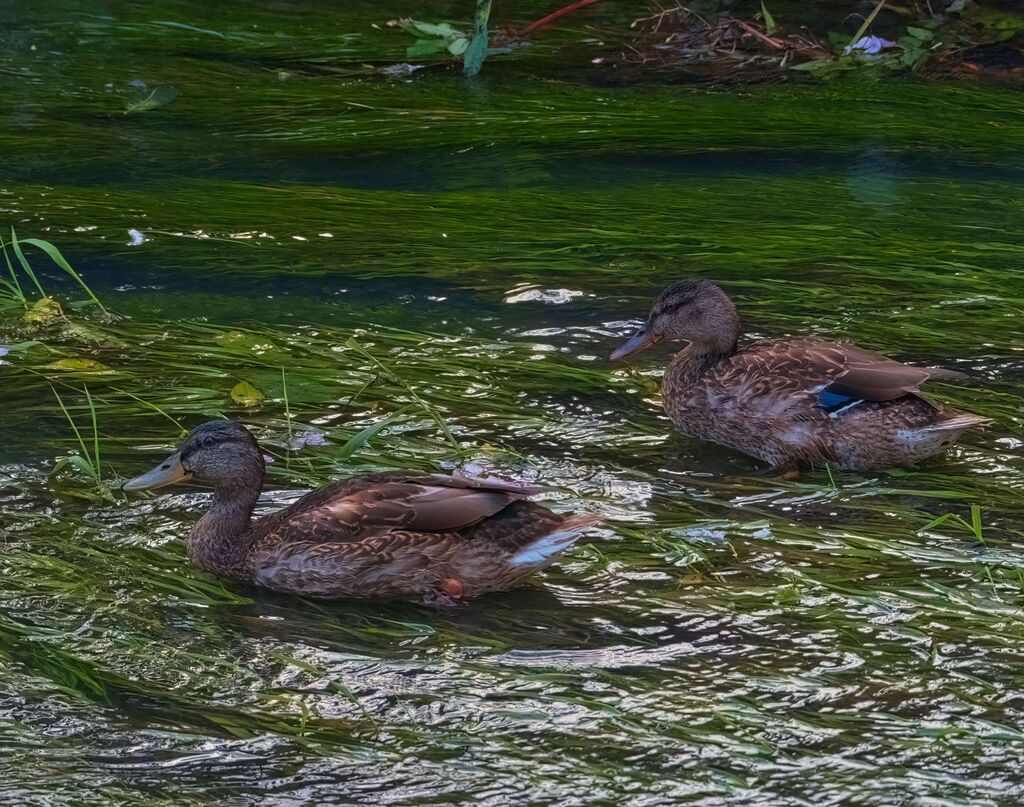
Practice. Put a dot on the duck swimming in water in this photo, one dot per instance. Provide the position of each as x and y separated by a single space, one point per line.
791 402
429 536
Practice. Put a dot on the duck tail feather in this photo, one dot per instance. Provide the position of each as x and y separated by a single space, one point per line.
944 372
549 546
959 422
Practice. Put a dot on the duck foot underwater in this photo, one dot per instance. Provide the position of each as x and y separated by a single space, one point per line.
792 402
437 538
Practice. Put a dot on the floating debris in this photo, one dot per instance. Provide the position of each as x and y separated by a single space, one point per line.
137 238
150 99
532 294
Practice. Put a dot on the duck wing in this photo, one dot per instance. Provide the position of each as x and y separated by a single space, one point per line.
793 374
870 377
374 505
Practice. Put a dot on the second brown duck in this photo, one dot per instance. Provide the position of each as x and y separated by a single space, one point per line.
791 402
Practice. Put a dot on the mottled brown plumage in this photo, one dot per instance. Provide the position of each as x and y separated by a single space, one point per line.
791 402
380 535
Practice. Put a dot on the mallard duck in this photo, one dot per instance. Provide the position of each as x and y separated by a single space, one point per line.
429 536
791 402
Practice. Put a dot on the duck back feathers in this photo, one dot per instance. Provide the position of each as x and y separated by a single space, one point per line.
809 401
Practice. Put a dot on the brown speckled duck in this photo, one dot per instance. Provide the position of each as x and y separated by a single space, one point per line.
428 536
791 402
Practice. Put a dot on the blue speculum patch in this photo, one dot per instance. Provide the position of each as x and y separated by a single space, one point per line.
834 402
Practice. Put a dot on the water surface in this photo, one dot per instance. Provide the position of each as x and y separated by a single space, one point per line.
726 636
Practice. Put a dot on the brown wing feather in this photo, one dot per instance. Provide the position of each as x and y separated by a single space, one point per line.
784 375
876 378
376 504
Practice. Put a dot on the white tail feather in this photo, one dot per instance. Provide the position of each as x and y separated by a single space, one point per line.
548 547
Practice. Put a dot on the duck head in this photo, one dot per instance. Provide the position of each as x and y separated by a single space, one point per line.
220 452
695 311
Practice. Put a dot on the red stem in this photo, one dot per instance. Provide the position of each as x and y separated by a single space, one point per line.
554 15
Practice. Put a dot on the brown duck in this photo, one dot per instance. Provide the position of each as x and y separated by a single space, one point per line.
429 536
791 402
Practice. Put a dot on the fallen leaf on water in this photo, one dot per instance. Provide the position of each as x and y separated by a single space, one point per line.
77 366
150 99
44 311
80 332
246 394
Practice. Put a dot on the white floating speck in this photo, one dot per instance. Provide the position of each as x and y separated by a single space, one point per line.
137 238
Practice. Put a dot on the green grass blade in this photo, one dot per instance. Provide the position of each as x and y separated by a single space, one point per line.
361 438
59 259
287 407
434 414
153 406
78 435
976 527
14 283
95 434
25 264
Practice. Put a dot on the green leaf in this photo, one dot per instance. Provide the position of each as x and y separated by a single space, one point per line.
426 47
20 347
769 21
440 29
810 67
83 465
246 394
77 366
458 46
76 461
157 97
912 56
43 312
922 34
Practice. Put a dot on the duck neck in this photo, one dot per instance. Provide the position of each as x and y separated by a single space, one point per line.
220 541
693 361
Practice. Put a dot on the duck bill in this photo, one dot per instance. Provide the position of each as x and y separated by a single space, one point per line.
166 473
641 340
